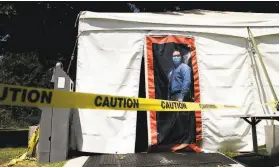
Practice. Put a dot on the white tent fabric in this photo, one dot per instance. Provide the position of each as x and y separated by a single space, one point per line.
194 18
226 23
108 63
111 46
225 78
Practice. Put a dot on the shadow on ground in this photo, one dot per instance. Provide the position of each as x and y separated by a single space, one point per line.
257 160
13 138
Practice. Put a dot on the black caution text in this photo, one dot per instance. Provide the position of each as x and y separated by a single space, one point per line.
116 102
25 95
173 105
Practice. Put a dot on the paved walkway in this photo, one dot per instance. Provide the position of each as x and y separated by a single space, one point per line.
76 162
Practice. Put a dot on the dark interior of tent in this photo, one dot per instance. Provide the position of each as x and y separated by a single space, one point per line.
141 130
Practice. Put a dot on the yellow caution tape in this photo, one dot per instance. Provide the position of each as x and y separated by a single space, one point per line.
273 104
20 159
33 142
37 97
30 150
122 157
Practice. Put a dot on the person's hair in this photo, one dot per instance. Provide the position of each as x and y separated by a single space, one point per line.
176 51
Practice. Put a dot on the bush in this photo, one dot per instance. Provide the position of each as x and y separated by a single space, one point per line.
5 119
21 69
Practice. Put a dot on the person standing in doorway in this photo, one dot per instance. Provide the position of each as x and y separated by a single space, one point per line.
179 79
183 124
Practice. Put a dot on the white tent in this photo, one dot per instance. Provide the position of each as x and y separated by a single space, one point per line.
110 50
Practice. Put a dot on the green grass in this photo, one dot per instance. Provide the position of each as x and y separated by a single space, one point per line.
7 154
230 154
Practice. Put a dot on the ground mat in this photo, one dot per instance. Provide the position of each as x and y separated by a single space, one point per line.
159 159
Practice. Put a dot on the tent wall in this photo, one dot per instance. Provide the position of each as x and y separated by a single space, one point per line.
225 78
108 63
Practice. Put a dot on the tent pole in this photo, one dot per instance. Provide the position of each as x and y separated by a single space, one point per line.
262 64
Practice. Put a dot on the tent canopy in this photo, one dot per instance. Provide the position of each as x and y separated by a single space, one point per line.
227 23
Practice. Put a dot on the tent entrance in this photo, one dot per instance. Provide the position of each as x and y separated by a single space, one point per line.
171 131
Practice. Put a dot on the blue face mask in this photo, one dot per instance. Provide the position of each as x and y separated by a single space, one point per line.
176 60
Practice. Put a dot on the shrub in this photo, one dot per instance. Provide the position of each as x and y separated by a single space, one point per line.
21 69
